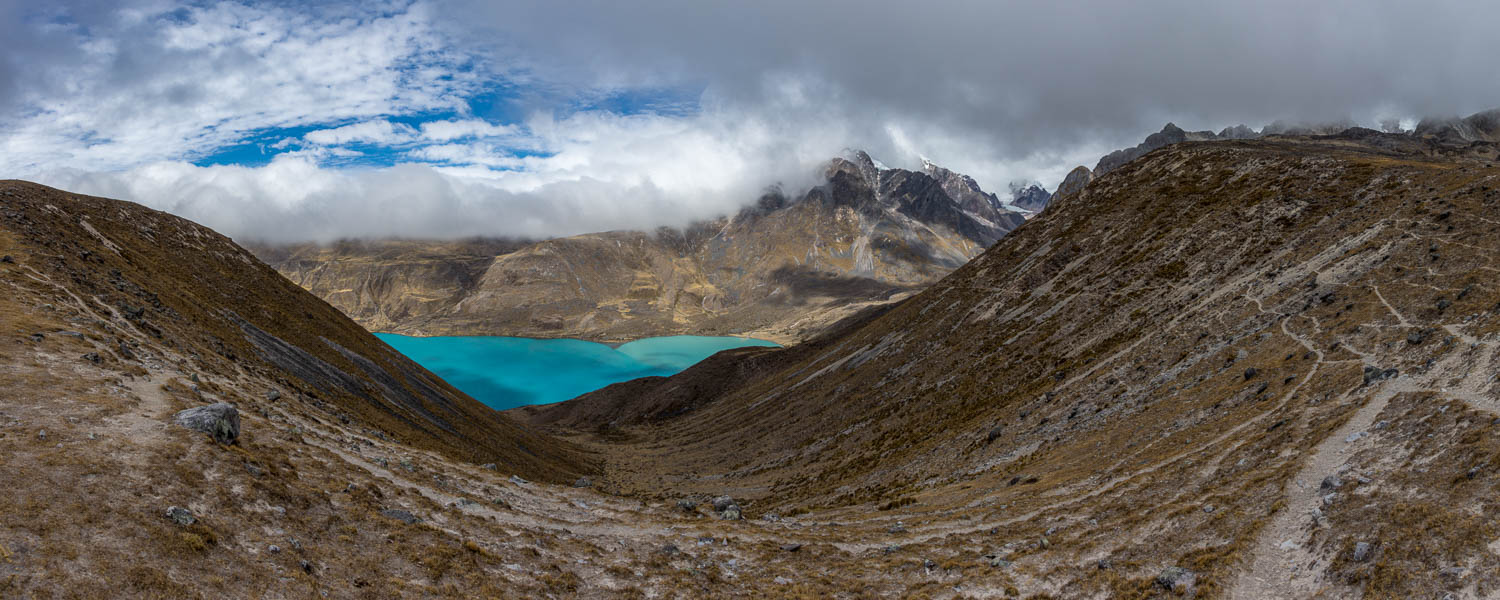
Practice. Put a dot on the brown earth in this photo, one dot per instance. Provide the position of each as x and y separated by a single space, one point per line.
1159 371
1162 370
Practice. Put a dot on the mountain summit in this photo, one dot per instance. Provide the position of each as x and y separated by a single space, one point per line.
780 269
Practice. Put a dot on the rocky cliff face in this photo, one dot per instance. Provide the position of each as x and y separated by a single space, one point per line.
781 269
1479 127
1236 369
1031 197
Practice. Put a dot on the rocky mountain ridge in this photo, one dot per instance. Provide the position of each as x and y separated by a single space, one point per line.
780 269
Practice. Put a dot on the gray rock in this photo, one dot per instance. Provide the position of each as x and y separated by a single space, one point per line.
7 259
1362 551
41 435
307 567
181 516
1374 374
897 528
273 395
583 482
92 357
722 502
1331 482
516 479
730 514
791 547
771 517
1105 564
893 548
995 433
1251 372
220 420
1417 337
274 549
400 515
1076 180
929 564
1174 578
489 467
670 549
687 505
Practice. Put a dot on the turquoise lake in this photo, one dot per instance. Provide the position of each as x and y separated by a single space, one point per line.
506 372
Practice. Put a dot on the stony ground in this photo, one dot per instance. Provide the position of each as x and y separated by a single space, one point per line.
1260 369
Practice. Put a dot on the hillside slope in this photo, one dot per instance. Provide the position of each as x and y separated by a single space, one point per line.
1224 364
781 269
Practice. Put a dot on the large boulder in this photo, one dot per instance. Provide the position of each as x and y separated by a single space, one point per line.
1074 182
222 421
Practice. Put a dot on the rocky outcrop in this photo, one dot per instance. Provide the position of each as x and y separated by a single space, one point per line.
219 420
1074 182
1170 134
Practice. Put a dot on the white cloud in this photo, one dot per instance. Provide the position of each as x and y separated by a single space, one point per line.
145 83
368 132
118 99
442 131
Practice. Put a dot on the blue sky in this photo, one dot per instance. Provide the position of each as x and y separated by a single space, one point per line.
287 121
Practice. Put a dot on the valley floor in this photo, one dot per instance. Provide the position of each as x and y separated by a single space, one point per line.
1258 369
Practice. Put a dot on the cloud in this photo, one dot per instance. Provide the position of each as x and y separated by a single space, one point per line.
465 117
108 87
442 131
1031 77
368 132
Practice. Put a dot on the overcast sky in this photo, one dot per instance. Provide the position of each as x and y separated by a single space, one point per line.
274 121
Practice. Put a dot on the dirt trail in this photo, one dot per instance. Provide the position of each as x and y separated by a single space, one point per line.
1281 564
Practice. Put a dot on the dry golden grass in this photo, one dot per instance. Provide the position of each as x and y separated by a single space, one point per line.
1106 344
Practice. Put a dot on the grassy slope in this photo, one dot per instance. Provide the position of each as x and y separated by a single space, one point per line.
193 288
1091 374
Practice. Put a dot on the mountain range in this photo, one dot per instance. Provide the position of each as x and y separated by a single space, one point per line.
780 269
